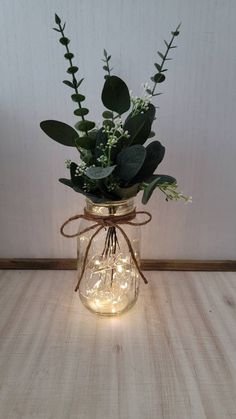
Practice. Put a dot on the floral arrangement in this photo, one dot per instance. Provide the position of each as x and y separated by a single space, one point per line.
115 163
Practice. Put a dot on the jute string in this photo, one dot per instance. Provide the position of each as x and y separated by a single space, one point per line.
101 222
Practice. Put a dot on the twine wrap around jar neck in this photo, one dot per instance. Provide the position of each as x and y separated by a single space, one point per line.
102 221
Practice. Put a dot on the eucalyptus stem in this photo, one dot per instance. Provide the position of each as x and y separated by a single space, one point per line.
164 57
69 54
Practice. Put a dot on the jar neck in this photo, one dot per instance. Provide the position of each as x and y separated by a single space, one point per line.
115 208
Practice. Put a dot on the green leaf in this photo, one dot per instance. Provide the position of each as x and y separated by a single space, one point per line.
79 82
107 115
55 29
69 83
85 125
85 142
64 40
139 127
67 182
99 172
76 97
115 95
158 67
151 112
81 111
57 19
155 181
69 55
175 33
72 70
154 155
130 161
159 78
60 132
105 53
105 68
152 134
161 55
126 193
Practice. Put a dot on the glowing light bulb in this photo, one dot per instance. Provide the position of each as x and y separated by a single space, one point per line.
119 268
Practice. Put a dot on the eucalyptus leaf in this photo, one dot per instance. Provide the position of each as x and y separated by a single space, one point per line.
161 55
85 142
155 152
175 33
68 83
159 78
79 83
152 134
139 127
72 70
67 182
69 55
96 173
129 162
115 95
60 132
85 125
57 19
81 111
76 97
64 40
158 67
126 193
155 181
107 115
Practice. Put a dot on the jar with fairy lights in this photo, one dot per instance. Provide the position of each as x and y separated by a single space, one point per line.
110 282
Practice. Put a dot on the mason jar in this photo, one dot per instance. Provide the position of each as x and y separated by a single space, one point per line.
110 281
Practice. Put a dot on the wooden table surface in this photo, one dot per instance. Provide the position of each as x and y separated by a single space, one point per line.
172 356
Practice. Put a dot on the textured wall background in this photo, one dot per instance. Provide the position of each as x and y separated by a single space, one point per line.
196 120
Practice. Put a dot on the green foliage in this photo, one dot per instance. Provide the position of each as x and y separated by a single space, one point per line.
76 97
69 55
72 70
129 192
60 132
69 83
139 127
107 114
154 155
99 172
85 125
159 77
114 163
81 111
86 142
130 161
64 41
115 95
155 182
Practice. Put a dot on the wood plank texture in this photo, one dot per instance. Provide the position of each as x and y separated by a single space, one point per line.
172 356
146 264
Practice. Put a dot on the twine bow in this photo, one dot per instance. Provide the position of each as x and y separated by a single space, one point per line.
107 221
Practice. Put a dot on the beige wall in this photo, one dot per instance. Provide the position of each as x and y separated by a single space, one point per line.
196 120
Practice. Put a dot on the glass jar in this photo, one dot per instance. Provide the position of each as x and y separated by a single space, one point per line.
110 283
